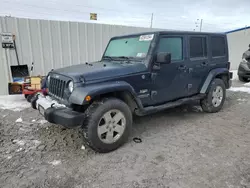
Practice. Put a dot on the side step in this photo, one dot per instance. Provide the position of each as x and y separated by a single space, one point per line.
154 109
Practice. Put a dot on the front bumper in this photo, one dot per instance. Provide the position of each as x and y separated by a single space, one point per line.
244 71
57 113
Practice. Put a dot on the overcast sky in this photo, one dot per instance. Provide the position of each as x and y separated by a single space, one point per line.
219 15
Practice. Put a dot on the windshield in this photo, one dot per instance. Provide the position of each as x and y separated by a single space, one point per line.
131 47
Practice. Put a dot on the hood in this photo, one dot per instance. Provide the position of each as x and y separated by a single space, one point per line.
100 70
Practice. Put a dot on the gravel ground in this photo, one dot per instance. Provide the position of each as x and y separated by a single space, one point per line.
181 147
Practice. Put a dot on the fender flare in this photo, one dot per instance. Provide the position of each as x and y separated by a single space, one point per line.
78 95
212 74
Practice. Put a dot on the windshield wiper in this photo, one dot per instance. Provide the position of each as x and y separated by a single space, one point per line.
123 57
108 57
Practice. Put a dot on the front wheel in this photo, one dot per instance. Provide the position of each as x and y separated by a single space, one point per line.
243 79
215 97
29 97
107 124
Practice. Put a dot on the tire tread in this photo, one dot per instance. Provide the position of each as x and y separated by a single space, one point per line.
89 120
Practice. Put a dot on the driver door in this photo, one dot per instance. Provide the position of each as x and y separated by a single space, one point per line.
170 81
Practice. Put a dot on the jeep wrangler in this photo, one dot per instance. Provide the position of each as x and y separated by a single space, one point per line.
138 74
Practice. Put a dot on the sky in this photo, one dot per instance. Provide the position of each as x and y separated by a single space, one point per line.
216 16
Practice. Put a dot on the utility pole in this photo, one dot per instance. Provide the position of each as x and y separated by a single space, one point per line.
201 24
198 23
152 17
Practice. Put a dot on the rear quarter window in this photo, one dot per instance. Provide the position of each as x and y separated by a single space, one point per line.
218 46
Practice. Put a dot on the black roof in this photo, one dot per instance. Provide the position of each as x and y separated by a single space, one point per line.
171 32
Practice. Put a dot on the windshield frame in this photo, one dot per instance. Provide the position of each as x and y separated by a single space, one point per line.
131 36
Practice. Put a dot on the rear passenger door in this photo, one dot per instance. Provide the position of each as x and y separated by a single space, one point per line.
198 62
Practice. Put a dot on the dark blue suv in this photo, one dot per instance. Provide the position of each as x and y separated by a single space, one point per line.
137 74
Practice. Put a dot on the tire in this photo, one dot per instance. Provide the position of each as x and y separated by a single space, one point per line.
29 97
243 79
95 117
33 102
208 104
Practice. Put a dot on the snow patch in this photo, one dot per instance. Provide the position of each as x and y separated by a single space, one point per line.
13 102
43 121
241 100
19 120
247 84
37 142
240 89
20 149
55 162
19 142
83 147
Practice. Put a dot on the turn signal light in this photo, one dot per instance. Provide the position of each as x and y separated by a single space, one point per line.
87 98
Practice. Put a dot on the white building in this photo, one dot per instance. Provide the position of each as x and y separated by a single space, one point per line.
238 41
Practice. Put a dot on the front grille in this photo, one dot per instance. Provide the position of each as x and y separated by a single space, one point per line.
56 87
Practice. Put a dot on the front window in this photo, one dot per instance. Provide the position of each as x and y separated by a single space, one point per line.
130 47
173 45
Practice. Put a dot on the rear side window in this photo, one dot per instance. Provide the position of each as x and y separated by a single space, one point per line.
198 47
218 46
172 45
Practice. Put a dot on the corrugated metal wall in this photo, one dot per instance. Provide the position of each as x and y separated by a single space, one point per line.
54 44
238 42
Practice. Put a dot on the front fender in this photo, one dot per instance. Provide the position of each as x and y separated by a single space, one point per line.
78 95
212 74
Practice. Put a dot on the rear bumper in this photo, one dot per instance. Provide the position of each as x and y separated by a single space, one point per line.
57 113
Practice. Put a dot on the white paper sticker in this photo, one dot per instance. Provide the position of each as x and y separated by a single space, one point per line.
146 37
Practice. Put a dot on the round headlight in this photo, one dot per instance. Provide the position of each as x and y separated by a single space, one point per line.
71 86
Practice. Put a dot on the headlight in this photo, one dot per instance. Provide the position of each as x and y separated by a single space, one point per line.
71 86
244 61
48 79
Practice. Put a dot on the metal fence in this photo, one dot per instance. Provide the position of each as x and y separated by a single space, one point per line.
54 44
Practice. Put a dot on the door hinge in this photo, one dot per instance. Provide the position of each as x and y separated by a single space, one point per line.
153 75
190 70
190 86
153 94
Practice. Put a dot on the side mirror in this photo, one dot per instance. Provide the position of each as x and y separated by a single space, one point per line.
163 57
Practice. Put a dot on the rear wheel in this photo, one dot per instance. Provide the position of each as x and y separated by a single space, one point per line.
243 79
215 97
107 124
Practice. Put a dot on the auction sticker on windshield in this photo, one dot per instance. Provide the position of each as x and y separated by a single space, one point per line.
146 37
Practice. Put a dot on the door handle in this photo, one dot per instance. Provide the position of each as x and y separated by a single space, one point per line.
204 63
182 67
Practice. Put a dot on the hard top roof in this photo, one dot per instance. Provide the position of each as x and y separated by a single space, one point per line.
171 33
